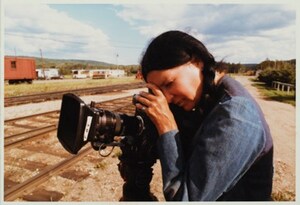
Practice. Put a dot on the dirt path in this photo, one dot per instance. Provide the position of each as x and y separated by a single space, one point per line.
281 118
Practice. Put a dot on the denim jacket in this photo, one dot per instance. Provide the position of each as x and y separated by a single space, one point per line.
222 152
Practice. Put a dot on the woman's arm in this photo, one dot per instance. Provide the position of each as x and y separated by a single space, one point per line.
223 149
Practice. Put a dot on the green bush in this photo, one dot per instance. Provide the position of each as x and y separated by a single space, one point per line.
284 75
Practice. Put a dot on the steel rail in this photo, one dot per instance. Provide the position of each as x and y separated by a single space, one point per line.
31 183
16 139
18 135
9 143
28 185
9 101
31 116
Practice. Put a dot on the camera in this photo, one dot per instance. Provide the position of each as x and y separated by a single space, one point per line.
80 123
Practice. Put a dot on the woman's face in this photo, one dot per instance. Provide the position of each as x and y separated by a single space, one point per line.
181 85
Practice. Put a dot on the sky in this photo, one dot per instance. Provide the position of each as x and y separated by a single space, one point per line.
119 33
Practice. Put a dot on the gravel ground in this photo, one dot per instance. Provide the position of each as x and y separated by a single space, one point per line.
281 118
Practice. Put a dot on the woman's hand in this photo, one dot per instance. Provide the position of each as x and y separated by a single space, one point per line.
156 107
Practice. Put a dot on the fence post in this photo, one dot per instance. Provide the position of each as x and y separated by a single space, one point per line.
281 86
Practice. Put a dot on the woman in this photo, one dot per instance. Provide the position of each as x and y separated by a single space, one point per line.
214 143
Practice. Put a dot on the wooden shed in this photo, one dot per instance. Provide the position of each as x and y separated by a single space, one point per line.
19 69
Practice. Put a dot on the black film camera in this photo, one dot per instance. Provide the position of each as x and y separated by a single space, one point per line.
80 123
136 135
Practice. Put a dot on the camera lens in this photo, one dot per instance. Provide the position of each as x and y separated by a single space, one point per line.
115 124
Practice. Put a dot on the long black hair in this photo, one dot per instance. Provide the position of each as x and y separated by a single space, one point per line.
175 48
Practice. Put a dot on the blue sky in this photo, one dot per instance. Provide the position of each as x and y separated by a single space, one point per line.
118 33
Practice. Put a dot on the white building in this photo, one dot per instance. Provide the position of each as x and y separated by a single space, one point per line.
106 73
80 74
48 73
116 73
98 73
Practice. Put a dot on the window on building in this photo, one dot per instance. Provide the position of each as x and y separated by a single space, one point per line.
13 64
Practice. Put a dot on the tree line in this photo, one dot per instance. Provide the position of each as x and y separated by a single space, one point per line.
66 66
266 71
282 71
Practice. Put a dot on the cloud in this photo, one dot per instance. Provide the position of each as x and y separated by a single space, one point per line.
31 27
243 33
247 19
240 32
152 19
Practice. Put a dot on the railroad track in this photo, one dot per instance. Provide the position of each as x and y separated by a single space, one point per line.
33 155
40 97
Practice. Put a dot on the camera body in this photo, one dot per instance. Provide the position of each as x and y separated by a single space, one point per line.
80 123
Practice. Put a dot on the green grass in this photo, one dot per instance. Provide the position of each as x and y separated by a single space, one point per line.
61 85
270 93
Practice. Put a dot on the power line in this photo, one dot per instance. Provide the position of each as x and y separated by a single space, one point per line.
39 37
31 36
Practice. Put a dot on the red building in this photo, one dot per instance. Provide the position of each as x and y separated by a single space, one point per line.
19 69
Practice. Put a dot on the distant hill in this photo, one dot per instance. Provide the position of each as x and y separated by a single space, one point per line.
55 62
71 61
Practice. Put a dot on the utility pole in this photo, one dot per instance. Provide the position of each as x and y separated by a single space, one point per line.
117 55
43 69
